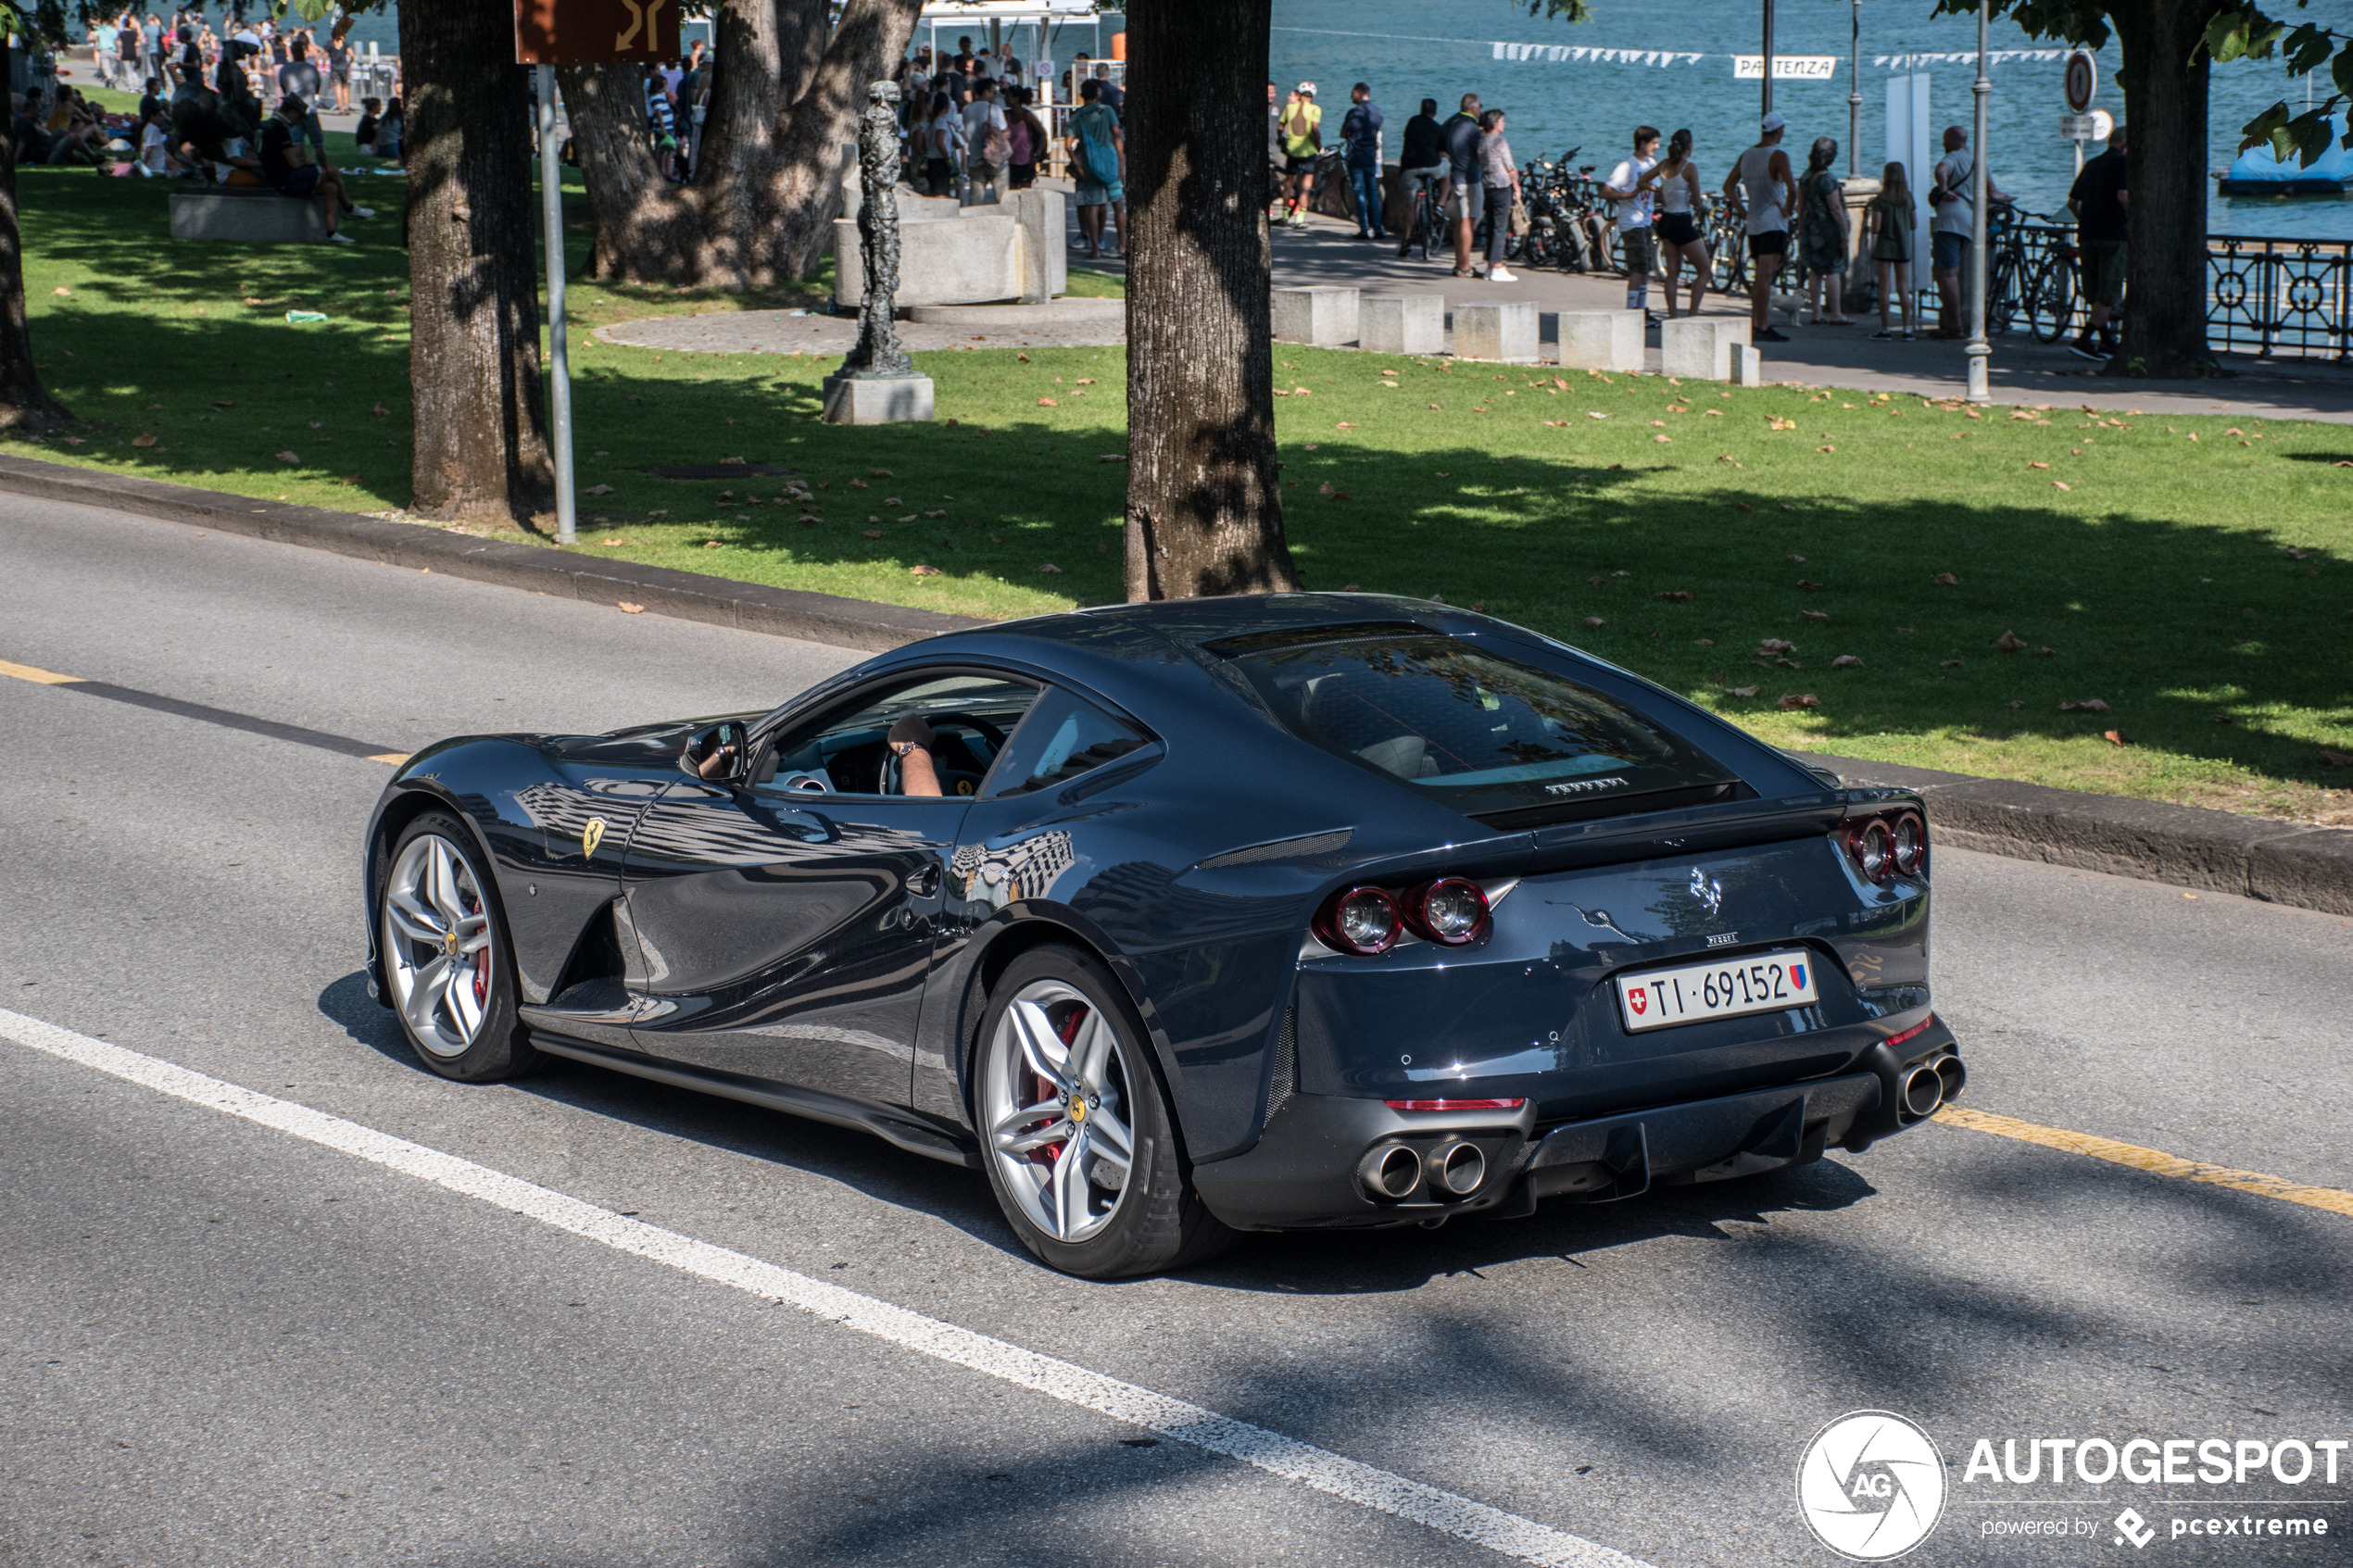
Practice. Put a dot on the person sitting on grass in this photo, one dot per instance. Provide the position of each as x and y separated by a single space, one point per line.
158 156
289 168
27 142
392 133
363 135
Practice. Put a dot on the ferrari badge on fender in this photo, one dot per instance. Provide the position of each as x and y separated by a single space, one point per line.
592 835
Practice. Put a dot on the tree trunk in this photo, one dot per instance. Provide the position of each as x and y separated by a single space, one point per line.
1205 507
481 446
23 404
760 208
2164 79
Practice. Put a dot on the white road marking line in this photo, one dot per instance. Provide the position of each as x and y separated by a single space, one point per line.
1293 1460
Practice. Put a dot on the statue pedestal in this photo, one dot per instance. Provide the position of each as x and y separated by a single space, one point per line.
877 400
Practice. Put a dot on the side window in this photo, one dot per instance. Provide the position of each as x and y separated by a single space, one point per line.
1063 737
843 752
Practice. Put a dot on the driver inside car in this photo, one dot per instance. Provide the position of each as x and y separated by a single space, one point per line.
911 741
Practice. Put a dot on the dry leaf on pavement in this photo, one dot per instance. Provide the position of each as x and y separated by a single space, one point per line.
628 609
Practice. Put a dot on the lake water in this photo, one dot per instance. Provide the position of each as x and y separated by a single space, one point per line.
1411 49
1408 50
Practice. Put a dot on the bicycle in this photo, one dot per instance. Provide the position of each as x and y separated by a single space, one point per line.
1427 226
2039 288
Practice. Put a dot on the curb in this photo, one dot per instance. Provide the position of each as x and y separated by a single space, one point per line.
688 596
2185 845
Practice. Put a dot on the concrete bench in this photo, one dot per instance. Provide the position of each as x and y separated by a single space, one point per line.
952 255
1506 331
1702 347
1323 317
1402 323
253 214
1601 340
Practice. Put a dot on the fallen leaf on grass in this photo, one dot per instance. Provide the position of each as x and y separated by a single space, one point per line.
2046 653
1946 580
2337 759
1845 661
61 289
1810 585
1774 645
2061 485
230 403
1706 642
2295 552
288 458
714 544
349 478
1592 621
1820 450
1662 439
1113 458
1050 566
1814 614
1712 413
1023 357
2113 737
2017 704
143 441
2007 642
874 533
1433 406
1554 423
1679 595
2089 705
592 490
1591 415
925 571
1797 558
2038 465
72 440
1344 425
1948 664
611 542
1047 403
628 609
1739 505
1740 691
1797 700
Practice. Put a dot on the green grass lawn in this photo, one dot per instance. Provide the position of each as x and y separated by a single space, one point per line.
2195 574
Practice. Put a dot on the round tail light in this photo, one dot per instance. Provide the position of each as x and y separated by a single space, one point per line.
1874 850
1449 911
1360 920
1911 844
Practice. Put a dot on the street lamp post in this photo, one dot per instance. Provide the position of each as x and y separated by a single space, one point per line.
1979 350
1854 94
1768 59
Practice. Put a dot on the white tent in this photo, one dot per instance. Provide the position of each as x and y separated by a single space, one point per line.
1049 21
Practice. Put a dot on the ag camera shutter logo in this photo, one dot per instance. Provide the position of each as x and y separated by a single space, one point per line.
1871 1486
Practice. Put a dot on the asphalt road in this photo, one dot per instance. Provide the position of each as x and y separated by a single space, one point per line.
224 1344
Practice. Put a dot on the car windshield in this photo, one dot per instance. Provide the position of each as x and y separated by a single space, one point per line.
1481 734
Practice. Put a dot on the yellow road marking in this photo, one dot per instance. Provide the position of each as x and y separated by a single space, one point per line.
2153 1160
395 757
45 677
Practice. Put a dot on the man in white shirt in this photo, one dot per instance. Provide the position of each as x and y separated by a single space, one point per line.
985 134
1634 217
1952 220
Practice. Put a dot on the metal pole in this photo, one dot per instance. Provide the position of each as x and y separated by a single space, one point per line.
1854 95
1979 350
1768 59
551 198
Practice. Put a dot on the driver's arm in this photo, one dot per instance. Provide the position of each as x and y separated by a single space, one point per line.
909 740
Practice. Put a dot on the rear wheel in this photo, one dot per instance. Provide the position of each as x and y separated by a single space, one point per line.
1075 1133
448 971
2051 303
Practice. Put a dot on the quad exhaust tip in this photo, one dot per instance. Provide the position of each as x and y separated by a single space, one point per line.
1923 1091
1457 1169
1390 1171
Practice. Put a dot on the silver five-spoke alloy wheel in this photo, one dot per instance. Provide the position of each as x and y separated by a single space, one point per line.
1056 1100
438 945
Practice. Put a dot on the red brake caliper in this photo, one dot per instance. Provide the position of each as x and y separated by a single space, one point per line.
1046 1154
482 969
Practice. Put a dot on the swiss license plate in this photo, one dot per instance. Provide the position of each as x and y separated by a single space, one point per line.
1657 998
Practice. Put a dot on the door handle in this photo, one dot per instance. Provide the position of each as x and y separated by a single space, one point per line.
925 882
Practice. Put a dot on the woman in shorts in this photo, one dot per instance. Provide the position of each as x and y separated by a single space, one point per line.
1823 236
1676 179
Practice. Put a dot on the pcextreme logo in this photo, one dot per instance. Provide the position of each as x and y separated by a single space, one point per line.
1871 1486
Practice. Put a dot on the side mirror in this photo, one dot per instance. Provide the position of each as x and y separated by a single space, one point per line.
715 754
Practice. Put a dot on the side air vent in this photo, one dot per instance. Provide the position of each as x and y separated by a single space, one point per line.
1286 1064
1283 849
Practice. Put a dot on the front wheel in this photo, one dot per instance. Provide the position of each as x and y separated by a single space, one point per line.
2051 307
442 941
1077 1135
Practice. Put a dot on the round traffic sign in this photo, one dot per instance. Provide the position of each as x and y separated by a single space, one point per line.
2102 125
2082 81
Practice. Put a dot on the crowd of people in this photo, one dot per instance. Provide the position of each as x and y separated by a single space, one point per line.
1789 220
131 50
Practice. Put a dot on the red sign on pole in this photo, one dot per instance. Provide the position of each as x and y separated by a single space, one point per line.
596 32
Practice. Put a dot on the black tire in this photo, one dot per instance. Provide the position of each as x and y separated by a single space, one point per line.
2051 307
499 1046
1157 1221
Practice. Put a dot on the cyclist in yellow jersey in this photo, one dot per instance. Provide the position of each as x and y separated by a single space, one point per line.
1302 139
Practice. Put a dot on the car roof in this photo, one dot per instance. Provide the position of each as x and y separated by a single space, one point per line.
1193 622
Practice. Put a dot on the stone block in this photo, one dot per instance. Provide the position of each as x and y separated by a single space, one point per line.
1601 340
972 260
246 215
1045 245
1700 347
1747 365
1505 331
1403 323
1323 317
876 400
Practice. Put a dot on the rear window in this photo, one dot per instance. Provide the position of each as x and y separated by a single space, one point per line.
1488 736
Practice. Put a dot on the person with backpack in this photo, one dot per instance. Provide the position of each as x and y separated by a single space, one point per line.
1302 140
1025 139
989 136
1099 162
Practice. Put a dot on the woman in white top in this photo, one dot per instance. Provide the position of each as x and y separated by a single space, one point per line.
1762 191
1676 180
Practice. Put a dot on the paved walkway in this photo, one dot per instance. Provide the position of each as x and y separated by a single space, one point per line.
2021 371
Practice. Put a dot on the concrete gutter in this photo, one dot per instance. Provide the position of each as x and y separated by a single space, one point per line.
2186 846
689 595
